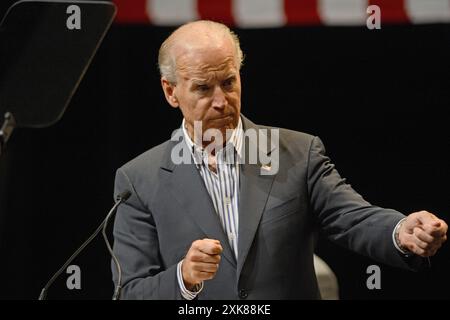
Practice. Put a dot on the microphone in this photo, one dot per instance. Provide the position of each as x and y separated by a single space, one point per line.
6 130
122 197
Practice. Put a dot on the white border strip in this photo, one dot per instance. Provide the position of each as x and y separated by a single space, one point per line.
343 12
259 13
171 12
428 11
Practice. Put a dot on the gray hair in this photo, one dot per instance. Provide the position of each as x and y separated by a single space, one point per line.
166 61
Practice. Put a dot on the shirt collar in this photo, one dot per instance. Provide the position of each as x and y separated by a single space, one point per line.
234 142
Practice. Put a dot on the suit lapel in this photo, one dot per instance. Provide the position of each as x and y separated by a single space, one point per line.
254 191
253 195
187 187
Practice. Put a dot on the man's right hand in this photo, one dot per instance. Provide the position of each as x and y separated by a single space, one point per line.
201 262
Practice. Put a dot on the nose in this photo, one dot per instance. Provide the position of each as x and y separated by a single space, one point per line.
219 100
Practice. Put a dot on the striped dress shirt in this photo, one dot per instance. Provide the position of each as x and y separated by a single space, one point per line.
223 188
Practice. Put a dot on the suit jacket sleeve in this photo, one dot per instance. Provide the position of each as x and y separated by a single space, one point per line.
347 219
137 249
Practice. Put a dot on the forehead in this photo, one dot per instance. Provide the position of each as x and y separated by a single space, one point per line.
206 62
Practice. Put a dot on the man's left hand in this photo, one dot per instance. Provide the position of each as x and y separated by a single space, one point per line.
422 233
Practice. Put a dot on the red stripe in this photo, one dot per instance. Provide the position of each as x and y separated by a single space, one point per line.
301 12
220 11
131 11
392 11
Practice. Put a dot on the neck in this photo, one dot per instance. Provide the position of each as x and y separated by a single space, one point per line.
197 136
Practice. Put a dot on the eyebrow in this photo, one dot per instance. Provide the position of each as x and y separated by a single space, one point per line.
231 76
199 81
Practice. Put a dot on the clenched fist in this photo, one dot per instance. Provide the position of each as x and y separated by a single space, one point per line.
201 262
422 233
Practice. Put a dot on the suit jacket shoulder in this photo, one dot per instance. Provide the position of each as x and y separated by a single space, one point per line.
143 171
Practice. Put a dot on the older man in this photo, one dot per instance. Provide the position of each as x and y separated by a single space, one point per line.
215 229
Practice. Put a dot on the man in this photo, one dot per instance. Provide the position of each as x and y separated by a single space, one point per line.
216 229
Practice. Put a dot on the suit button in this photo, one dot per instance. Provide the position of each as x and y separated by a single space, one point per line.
243 294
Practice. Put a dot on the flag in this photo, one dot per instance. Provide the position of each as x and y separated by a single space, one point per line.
280 13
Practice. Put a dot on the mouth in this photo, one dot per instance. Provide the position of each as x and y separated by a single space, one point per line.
224 117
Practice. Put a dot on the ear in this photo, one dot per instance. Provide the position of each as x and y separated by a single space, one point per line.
169 92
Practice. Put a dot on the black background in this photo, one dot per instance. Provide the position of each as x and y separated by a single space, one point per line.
377 98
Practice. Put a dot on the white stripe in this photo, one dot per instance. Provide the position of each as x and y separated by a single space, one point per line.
211 186
220 187
172 12
428 11
343 12
259 13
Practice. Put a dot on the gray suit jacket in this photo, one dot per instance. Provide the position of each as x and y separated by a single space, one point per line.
278 218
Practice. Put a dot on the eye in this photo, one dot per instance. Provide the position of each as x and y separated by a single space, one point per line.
228 83
203 88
